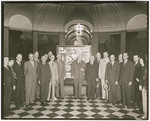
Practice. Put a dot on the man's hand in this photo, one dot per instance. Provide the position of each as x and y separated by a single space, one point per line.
39 82
140 87
130 83
82 69
116 83
97 79
106 81
14 87
137 80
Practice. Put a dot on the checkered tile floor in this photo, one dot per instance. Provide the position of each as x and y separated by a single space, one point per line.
70 108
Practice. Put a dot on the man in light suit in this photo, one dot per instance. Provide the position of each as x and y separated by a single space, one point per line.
112 77
61 76
77 70
98 81
54 79
102 69
126 79
30 71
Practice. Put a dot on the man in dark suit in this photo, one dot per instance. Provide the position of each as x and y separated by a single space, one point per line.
91 74
20 81
44 76
112 77
126 79
137 94
61 76
7 88
37 87
30 71
77 70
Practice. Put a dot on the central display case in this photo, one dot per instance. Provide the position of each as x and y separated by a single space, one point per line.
70 53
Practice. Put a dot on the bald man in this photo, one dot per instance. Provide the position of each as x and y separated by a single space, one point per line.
91 74
30 71
20 82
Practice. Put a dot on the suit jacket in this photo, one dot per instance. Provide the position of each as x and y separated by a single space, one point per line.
8 80
112 72
44 72
61 68
30 71
127 72
19 70
144 78
102 67
54 71
97 65
138 73
91 71
76 69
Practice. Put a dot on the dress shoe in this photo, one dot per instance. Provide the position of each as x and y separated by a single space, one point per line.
113 103
27 105
88 98
54 98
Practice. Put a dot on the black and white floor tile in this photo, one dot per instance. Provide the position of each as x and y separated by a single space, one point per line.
70 108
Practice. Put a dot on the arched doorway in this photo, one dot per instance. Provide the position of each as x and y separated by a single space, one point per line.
20 36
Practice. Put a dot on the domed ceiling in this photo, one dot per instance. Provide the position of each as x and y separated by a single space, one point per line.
54 17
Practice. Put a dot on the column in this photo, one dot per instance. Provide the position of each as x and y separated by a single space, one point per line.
123 42
6 41
62 40
35 41
94 43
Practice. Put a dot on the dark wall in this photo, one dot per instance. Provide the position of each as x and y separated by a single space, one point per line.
109 43
20 42
137 43
47 43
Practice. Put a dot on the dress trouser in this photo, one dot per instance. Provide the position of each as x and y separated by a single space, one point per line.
112 92
52 85
37 91
91 88
30 91
78 87
19 93
104 92
144 99
60 88
126 94
44 90
98 89
7 100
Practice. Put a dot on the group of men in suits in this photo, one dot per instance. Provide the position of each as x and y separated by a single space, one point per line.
32 80
114 81
43 79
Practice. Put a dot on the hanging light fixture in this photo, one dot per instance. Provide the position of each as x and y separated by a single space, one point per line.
79 28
